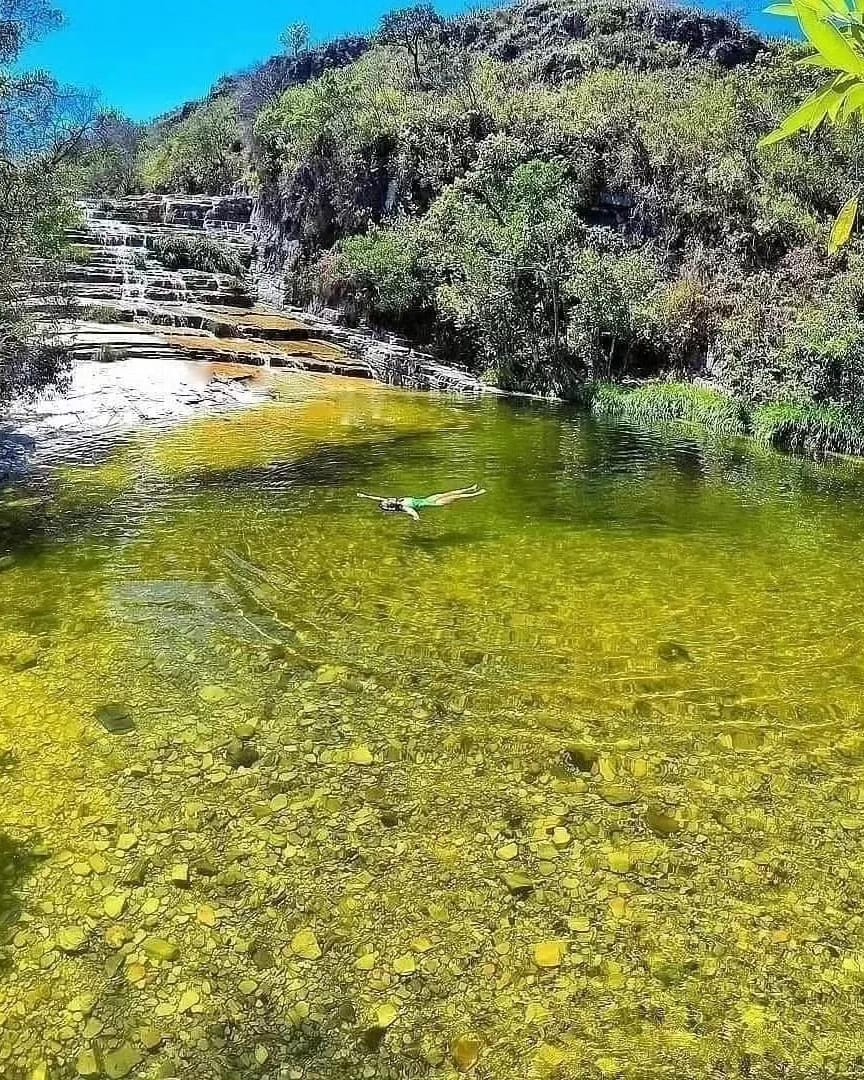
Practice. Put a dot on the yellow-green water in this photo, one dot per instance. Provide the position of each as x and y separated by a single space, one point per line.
564 781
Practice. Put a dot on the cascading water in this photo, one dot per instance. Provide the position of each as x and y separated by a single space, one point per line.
131 260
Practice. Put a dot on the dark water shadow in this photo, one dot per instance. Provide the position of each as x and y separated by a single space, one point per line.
27 531
17 862
455 538
38 520
327 467
308 1048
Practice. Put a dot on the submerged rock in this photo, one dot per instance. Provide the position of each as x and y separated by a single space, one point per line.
121 1062
305 945
240 754
115 718
617 794
24 660
160 949
661 823
87 1065
519 883
71 939
466 1052
580 758
673 652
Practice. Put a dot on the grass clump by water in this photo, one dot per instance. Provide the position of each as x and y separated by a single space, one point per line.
102 313
80 254
807 429
788 426
660 403
200 253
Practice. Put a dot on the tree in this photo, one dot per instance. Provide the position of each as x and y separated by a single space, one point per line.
22 22
42 126
200 154
836 33
107 159
295 38
407 29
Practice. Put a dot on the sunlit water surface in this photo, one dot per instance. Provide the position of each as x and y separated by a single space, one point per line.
564 781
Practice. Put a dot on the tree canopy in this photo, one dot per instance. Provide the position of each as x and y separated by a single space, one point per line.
41 127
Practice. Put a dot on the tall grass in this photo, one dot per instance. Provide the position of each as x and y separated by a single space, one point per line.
101 313
795 428
196 253
663 403
807 429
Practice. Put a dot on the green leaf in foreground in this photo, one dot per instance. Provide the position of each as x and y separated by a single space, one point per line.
829 42
843 225
808 115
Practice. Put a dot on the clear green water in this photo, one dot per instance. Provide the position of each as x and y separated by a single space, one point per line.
564 781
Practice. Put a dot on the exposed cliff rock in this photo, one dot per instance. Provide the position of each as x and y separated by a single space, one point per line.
561 42
263 83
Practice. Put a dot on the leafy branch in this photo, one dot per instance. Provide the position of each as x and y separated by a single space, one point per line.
835 30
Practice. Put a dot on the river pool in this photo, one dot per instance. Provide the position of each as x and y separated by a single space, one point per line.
563 781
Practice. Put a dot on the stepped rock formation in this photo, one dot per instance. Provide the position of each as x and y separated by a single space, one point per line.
129 304
149 342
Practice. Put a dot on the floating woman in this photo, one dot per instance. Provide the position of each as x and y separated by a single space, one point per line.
409 505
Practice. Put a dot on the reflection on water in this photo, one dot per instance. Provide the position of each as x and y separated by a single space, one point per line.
566 780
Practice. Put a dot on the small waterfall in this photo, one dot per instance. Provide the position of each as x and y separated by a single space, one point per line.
134 276
140 260
178 282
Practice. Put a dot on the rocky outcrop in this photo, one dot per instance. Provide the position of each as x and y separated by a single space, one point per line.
153 344
214 213
561 41
129 304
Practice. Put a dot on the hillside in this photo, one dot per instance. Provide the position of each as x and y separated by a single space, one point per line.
554 194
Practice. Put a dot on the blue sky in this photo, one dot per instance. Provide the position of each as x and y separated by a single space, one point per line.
147 58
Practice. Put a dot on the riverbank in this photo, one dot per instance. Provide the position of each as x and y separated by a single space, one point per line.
166 316
792 427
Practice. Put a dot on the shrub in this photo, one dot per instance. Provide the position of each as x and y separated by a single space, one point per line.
808 429
201 154
377 273
196 253
99 313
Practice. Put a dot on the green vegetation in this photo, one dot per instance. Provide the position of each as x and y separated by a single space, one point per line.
812 430
808 429
557 194
295 39
101 313
41 124
199 154
835 30
567 193
80 254
106 161
196 253
662 403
